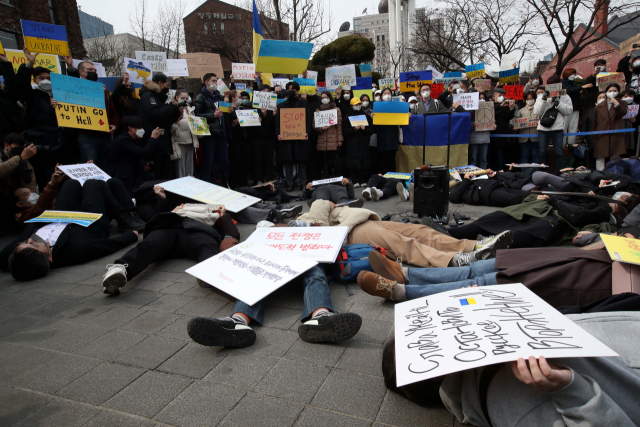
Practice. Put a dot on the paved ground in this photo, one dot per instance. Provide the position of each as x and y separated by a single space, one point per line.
72 356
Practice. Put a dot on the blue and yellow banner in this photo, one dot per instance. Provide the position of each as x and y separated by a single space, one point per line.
81 218
412 80
453 74
45 38
257 33
224 106
474 70
509 76
307 86
390 113
281 56
73 90
365 70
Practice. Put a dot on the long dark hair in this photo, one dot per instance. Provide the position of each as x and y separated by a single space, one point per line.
122 99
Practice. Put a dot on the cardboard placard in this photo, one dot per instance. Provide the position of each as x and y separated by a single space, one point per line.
474 70
412 80
514 92
293 124
17 58
526 122
509 76
482 85
139 71
81 117
205 192
249 272
632 111
177 68
622 249
198 126
387 83
326 118
603 81
485 117
267 100
84 172
435 73
200 63
398 175
627 45
555 90
73 90
40 37
342 75
241 71
358 121
326 181
248 118
436 90
468 101
282 82
80 218
468 328
158 60
453 74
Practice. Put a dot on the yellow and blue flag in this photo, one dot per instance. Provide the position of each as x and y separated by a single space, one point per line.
467 301
365 70
280 56
224 106
391 113
257 33
45 38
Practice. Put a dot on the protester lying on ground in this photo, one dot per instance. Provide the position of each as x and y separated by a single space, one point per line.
577 391
502 189
267 193
42 246
380 188
192 231
411 243
336 192
586 238
629 167
45 200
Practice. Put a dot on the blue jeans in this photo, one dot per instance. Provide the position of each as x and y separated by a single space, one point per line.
555 137
478 155
530 152
215 149
316 295
428 281
93 146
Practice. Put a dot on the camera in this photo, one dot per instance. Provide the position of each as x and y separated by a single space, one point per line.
636 45
183 103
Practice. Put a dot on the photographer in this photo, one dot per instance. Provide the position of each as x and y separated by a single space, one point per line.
552 113
15 172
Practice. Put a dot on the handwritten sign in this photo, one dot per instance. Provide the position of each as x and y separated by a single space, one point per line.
526 122
397 175
81 218
555 90
40 37
468 101
282 82
435 73
248 118
604 81
412 80
177 68
326 118
17 58
198 126
139 71
632 111
509 76
158 60
200 63
445 80
387 83
622 249
436 90
514 92
248 272
482 85
221 86
627 45
243 71
267 100
453 74
84 172
326 181
320 244
293 123
485 117
307 86
72 90
81 117
313 75
474 70
342 75
468 328
358 121
211 194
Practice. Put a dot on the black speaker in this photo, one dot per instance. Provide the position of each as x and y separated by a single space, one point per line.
431 191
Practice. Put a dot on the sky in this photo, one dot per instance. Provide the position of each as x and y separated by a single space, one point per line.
118 11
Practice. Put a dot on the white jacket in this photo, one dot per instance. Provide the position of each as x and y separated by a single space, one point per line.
565 108
181 132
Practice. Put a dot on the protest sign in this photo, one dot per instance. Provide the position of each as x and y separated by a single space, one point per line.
17 58
326 118
514 92
391 113
139 71
509 76
412 80
241 86
81 117
72 90
468 328
307 86
555 90
248 118
602 81
453 74
99 67
507 60
365 70
40 37
1 49
445 80
221 86
293 123
358 121
267 100
474 70
84 172
177 68
205 192
526 122
326 181
485 117
622 249
282 82
158 60
342 75
387 83
313 75
468 101
436 90
81 218
435 73
224 106
248 272
482 85
320 244
632 111
397 175
241 71
198 126
627 45
200 63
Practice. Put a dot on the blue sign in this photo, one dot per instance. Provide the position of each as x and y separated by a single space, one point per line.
473 67
457 74
364 82
72 90
304 82
509 73
241 86
416 76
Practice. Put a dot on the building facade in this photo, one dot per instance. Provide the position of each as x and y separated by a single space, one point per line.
59 12
92 26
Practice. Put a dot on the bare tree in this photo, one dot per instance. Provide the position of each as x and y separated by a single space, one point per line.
168 27
139 22
109 50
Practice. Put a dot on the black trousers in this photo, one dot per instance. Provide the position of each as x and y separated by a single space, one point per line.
168 243
262 152
387 162
503 197
386 185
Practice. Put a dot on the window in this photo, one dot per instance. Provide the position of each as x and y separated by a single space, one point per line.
377 38
357 25
383 37
9 40
222 27
206 30
384 52
53 13
213 27
366 30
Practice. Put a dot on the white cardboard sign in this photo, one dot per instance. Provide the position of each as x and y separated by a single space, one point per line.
243 71
221 86
177 68
139 71
310 75
249 272
326 118
632 111
84 171
467 328
320 244
158 60
435 73
248 118
282 82
268 100
326 181
468 101
205 192
342 75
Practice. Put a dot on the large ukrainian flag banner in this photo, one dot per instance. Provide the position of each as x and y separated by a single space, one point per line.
432 132
284 57
45 38
257 33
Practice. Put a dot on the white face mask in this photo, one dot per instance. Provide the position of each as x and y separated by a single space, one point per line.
413 106
540 95
599 101
365 103
460 90
387 97
612 94
627 100
346 96
481 100
377 98
636 63
33 198
45 84
531 101
189 100
500 99
572 78
426 94
325 100
140 133
212 86
357 107
601 69
535 82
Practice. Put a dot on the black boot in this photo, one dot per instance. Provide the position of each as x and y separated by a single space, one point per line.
136 218
127 222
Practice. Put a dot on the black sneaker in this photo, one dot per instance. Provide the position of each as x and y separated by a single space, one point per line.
127 222
333 327
220 332
289 211
275 216
137 218
429 222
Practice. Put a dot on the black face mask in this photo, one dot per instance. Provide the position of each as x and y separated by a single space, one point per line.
92 75
165 90
16 151
291 95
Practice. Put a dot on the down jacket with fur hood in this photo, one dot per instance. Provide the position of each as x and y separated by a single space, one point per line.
156 114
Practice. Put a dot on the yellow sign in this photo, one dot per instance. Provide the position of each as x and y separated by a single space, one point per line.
401 119
309 90
1 49
50 62
266 78
358 93
80 117
81 218
622 249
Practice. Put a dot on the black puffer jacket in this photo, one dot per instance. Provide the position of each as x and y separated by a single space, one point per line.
156 114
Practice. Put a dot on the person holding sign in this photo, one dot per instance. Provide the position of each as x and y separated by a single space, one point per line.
504 112
608 116
479 139
330 138
357 144
388 140
630 66
629 121
529 147
551 128
296 150
446 97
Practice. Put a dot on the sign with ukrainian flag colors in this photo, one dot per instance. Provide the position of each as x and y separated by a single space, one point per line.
307 86
622 249
365 70
474 70
45 38
281 56
77 91
17 58
224 106
412 80
81 218
391 113
452 331
397 175
509 76
81 117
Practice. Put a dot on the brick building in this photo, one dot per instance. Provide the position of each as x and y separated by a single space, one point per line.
59 12
222 28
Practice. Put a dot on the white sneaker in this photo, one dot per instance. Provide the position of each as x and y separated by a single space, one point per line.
402 192
376 194
366 193
114 278
356 185
363 185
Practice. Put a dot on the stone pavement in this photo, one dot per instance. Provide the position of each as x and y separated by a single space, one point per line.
73 356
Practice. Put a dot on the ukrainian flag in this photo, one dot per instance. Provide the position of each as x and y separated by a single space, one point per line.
224 106
280 56
45 38
391 113
257 33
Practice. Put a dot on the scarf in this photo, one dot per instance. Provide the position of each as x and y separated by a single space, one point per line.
209 95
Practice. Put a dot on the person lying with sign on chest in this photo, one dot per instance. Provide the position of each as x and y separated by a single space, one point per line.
334 190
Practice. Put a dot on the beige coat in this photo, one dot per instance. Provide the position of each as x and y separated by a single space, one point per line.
322 214
526 113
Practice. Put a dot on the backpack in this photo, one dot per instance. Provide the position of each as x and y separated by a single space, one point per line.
579 212
549 117
351 260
